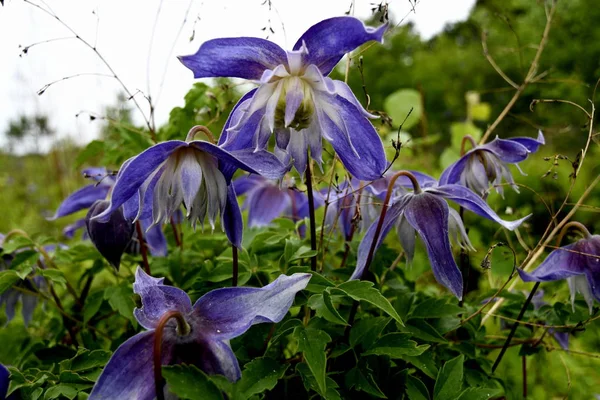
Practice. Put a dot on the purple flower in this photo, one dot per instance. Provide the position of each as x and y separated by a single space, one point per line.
425 211
112 237
196 173
85 197
4 381
266 199
487 164
295 100
578 263
201 336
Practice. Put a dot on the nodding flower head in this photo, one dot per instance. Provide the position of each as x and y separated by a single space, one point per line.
578 263
487 164
295 100
425 211
194 173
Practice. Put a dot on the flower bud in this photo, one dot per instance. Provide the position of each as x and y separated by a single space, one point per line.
111 238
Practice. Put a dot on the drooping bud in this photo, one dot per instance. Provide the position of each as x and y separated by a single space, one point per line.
111 238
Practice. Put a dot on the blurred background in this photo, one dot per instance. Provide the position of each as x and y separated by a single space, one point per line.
61 107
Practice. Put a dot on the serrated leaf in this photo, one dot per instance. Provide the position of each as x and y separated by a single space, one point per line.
448 384
397 345
366 331
325 309
27 257
312 343
415 389
188 382
259 375
435 308
479 393
7 280
364 291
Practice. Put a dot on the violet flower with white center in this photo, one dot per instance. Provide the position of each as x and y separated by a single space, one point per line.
266 199
578 263
196 334
195 173
425 211
295 100
85 197
487 164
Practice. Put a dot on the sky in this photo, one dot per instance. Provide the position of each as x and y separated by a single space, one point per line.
140 39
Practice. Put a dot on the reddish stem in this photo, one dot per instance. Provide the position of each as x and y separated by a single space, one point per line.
182 329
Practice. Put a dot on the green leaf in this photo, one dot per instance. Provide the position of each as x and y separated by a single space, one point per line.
188 382
364 291
7 279
310 383
435 308
54 275
303 252
366 330
425 363
397 345
318 283
362 381
59 390
120 299
85 360
325 309
399 104
415 389
24 262
16 243
92 304
259 375
421 329
312 342
449 380
479 393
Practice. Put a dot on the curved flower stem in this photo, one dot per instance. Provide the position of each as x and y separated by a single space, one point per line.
182 329
572 224
197 129
465 139
384 208
143 248
311 215
234 253
514 328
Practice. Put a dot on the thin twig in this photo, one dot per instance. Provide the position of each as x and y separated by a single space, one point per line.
528 78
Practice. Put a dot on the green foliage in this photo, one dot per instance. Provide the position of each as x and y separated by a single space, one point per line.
398 335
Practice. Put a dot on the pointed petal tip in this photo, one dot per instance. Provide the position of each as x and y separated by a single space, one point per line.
540 137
